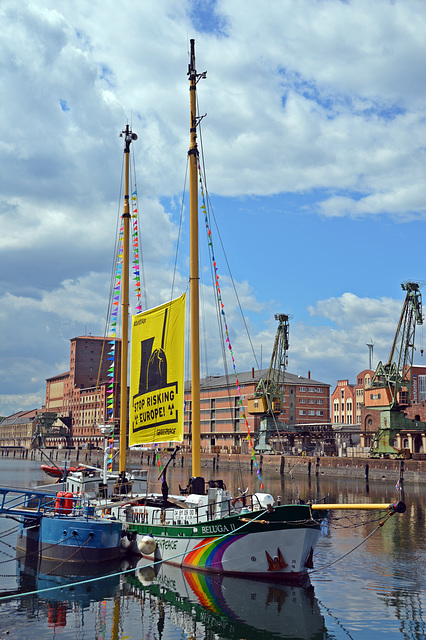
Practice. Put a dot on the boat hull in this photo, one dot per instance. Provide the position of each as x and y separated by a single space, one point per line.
278 547
71 539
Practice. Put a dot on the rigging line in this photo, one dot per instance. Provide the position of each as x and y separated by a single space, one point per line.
220 316
109 310
380 525
224 253
223 326
126 571
180 227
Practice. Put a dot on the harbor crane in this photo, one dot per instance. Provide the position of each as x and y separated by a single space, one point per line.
390 387
268 398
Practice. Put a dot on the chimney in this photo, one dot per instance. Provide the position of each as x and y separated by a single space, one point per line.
309 375
252 372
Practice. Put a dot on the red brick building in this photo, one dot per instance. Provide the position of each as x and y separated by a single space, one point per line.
81 393
347 399
222 424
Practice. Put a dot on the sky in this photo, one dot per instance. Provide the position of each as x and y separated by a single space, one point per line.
314 141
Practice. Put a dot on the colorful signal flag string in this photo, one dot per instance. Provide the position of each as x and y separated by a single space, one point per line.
228 341
135 242
114 313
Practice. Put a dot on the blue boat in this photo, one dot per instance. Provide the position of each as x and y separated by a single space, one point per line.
60 527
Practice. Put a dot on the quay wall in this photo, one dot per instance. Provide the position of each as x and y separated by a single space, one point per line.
411 471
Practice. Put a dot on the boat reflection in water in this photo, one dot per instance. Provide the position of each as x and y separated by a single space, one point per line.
231 607
200 604
78 589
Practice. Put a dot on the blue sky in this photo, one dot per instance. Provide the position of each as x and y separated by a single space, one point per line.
314 140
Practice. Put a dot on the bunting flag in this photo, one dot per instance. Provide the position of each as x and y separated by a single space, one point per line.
228 341
115 303
135 244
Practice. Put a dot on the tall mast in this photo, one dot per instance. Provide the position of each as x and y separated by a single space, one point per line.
128 138
194 273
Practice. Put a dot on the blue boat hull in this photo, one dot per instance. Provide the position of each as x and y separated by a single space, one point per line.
71 539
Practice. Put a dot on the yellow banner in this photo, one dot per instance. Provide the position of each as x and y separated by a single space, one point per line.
157 374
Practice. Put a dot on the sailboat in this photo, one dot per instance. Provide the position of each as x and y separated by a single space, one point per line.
208 528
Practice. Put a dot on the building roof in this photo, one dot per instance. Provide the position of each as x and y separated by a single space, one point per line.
247 377
19 418
89 337
59 375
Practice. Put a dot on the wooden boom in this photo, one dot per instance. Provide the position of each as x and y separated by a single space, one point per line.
398 507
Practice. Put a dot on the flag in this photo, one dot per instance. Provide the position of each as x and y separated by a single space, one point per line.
157 374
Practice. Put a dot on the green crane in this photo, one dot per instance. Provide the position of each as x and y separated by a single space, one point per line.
268 397
390 387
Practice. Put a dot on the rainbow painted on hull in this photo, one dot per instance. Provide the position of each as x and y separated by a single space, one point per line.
208 553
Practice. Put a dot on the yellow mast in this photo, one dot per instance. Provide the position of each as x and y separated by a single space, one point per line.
194 274
128 138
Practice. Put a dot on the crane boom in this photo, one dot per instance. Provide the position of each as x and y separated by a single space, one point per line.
390 388
267 400
395 376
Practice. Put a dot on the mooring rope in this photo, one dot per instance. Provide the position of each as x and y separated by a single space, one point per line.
9 531
34 553
121 573
380 525
71 556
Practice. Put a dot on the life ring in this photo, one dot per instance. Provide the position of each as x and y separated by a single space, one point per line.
237 504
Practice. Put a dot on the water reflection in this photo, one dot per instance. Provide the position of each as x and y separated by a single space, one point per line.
232 607
378 591
170 598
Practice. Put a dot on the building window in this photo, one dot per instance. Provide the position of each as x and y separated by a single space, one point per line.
302 412
302 389
422 387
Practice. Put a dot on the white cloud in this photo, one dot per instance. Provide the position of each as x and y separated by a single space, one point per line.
323 100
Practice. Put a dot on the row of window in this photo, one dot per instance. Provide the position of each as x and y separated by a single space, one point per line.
311 412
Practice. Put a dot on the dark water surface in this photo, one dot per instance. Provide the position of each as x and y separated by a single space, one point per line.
378 590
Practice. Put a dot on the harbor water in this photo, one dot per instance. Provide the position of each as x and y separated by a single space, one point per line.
368 579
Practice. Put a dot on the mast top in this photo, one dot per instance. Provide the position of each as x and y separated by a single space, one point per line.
129 136
192 72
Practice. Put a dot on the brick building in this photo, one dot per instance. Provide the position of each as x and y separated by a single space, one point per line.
81 393
347 399
18 429
222 425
